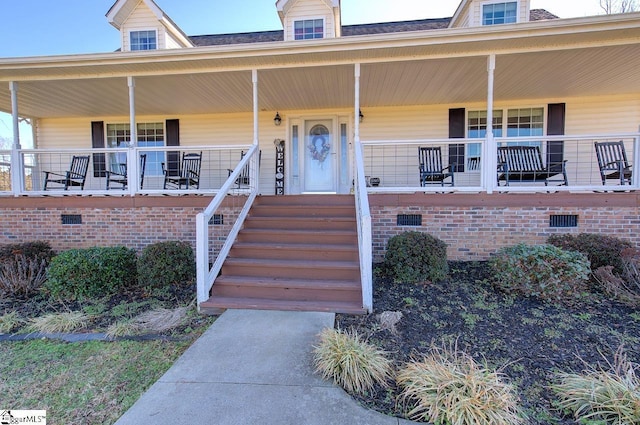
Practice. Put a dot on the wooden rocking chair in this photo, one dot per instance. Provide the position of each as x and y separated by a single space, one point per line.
431 169
76 176
188 175
612 161
118 175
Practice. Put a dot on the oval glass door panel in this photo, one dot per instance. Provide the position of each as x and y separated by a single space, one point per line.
319 167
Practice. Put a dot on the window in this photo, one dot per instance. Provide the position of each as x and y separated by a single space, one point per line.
143 40
149 135
500 13
525 122
522 122
308 29
477 129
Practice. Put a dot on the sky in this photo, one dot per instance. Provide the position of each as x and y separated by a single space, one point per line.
48 27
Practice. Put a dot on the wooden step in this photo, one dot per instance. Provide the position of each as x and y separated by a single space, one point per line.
348 200
302 223
287 305
296 236
303 211
282 251
287 289
295 269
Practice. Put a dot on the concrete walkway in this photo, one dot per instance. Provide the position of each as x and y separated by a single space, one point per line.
252 367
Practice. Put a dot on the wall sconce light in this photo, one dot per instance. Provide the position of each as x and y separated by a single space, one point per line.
360 115
277 120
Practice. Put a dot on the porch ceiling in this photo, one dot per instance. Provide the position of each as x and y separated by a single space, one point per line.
547 74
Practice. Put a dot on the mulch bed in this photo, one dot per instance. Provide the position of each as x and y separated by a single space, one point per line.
530 340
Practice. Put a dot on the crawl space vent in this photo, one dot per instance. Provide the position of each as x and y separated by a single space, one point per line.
409 220
217 219
563 220
71 219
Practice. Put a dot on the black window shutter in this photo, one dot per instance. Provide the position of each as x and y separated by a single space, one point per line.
555 127
173 139
457 131
97 142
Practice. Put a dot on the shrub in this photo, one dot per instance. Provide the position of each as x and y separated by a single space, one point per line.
40 250
601 250
91 273
612 396
449 387
22 275
165 265
414 257
625 288
351 363
542 271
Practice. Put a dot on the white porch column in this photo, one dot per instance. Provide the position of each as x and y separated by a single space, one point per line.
132 157
490 147
16 163
254 82
635 177
356 108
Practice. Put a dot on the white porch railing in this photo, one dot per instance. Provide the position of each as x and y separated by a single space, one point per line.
5 172
363 216
395 164
214 238
215 165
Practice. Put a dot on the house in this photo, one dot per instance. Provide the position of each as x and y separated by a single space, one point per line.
279 121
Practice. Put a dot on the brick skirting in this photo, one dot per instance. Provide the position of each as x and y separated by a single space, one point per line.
474 226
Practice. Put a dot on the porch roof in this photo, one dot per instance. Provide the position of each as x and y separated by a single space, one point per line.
558 58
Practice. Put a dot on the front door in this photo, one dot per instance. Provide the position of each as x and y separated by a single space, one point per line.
319 156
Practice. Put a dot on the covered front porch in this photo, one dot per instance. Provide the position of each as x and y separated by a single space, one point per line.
354 113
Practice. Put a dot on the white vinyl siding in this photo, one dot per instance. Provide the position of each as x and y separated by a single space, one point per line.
309 9
142 19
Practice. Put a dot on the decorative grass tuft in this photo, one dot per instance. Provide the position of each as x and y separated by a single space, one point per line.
59 322
160 319
612 396
350 362
9 322
449 387
122 328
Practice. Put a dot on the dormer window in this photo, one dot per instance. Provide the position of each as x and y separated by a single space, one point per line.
500 13
308 29
143 40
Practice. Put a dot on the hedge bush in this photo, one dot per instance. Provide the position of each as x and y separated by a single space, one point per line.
542 271
413 257
90 273
601 250
164 267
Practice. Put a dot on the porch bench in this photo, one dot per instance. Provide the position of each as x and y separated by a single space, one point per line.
523 164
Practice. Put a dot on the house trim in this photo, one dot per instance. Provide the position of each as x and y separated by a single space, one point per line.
607 31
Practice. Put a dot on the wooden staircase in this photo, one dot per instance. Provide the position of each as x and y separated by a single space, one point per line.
293 253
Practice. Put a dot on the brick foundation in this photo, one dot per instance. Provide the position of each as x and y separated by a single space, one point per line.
474 226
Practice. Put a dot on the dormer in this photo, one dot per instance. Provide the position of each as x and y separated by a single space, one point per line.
144 26
476 13
309 19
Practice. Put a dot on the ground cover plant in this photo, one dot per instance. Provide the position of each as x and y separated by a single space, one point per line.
531 342
92 381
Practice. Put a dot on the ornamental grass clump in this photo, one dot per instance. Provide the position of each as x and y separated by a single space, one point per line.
350 362
414 257
608 396
449 387
545 272
59 322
